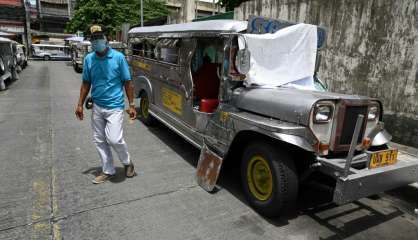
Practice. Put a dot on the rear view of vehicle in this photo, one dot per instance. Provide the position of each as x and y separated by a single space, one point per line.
22 58
80 51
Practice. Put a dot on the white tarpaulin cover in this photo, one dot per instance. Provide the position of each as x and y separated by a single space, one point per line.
282 57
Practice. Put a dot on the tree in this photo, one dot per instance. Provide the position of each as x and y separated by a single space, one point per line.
112 13
231 4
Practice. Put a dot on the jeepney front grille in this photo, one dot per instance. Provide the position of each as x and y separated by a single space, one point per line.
349 123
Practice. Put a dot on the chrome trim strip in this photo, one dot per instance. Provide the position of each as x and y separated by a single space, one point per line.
194 143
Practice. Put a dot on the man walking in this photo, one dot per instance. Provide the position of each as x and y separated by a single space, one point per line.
106 71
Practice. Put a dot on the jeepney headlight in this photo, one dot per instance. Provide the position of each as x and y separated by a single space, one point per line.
321 123
373 113
323 113
373 117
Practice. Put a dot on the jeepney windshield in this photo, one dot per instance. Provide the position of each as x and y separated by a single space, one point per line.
284 58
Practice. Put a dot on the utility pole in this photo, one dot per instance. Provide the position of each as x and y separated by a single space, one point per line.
213 7
142 13
69 8
28 35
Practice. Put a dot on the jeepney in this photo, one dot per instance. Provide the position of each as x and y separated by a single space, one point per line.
49 52
8 62
21 55
80 50
119 46
83 48
193 77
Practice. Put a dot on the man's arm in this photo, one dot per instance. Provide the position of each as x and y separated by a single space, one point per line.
129 89
84 90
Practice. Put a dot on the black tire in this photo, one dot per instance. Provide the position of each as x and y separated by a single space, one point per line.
284 188
46 58
143 113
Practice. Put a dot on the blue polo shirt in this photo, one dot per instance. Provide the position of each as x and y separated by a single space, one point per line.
107 76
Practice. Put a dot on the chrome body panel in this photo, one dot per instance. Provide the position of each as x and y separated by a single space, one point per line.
367 182
381 138
287 104
282 114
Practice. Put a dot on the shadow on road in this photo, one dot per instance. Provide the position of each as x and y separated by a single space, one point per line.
313 201
119 176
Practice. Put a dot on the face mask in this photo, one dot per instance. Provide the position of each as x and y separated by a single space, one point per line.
99 45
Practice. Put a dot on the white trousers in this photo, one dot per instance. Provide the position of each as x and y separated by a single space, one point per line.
107 132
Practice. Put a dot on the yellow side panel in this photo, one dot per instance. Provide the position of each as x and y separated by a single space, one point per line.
172 100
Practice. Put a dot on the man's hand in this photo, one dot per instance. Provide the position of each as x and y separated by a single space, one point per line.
132 112
79 112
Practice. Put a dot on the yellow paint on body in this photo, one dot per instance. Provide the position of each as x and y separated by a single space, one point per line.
172 100
141 65
224 116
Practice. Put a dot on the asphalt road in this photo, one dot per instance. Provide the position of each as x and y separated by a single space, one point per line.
47 162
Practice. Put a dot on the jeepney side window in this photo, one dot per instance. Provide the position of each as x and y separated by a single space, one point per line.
149 50
138 49
168 50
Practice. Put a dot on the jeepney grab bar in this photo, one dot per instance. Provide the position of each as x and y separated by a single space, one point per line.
353 144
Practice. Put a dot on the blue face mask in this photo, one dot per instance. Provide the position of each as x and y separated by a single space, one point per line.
99 45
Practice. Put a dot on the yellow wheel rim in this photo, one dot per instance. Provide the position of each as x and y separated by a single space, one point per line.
259 178
144 107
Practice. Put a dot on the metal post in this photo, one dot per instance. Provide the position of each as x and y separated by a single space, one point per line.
213 7
356 133
69 8
142 13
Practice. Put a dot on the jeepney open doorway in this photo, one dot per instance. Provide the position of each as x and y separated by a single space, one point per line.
206 68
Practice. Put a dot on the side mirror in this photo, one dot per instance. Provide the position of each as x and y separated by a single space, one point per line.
242 58
242 61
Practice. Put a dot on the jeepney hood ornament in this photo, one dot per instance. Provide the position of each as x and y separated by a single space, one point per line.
284 103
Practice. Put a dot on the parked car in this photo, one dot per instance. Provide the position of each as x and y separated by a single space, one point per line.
8 62
50 52
21 56
195 78
81 49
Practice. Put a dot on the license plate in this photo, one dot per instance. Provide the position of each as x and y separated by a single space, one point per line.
383 158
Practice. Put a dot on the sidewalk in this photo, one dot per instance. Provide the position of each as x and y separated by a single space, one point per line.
410 151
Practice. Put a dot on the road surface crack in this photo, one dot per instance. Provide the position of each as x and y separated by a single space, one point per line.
55 219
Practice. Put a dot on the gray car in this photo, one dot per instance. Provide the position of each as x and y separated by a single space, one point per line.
192 78
8 62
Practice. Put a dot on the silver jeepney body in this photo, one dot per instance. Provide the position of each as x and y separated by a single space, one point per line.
8 62
81 49
283 113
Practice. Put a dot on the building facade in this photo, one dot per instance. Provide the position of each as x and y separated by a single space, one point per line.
12 18
186 10
53 15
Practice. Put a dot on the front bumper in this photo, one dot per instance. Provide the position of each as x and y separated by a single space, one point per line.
5 76
365 182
